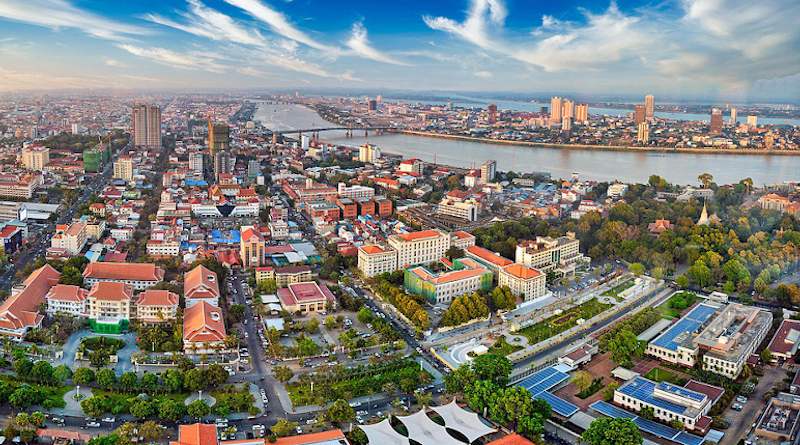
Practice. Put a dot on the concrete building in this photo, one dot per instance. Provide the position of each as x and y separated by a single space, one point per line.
488 171
617 190
306 297
71 238
649 106
123 168
779 423
19 312
375 260
252 247
466 277
13 210
110 302
368 153
219 138
284 276
67 299
419 247
643 133
524 282
466 210
669 402
19 186
156 306
555 109
203 329
146 126
639 114
139 275
786 340
461 239
354 191
35 157
561 255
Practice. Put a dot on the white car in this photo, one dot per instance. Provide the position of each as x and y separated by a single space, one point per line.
93 425
311 421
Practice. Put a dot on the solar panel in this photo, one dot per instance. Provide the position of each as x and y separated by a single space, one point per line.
688 439
610 410
689 323
559 405
543 380
683 392
655 428
642 389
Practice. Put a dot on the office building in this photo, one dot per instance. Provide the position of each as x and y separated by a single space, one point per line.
561 255
752 120
491 113
252 247
649 106
140 275
219 138
555 110
465 210
643 134
716 121
253 168
419 247
466 277
146 126
582 114
372 104
223 162
640 114
13 210
732 120
668 401
123 168
369 153
524 282
375 260
488 171
35 157
569 109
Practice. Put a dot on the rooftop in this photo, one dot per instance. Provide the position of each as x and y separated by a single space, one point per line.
489 257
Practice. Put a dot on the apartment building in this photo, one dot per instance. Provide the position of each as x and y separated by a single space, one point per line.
123 168
35 157
156 306
71 238
561 255
284 276
375 260
278 229
466 277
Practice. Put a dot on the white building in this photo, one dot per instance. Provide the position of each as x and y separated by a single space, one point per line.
123 168
561 255
523 281
368 153
466 210
71 238
35 157
279 229
159 248
355 191
617 190
669 402
420 247
66 299
375 260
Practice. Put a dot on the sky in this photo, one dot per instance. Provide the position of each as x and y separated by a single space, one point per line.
722 48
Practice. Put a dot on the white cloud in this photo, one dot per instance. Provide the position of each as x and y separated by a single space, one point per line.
278 23
11 80
483 74
208 23
58 14
114 63
481 17
174 59
359 42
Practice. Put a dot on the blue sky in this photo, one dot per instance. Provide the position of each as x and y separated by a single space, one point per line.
723 48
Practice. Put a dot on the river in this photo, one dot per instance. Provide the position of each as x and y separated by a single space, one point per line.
600 165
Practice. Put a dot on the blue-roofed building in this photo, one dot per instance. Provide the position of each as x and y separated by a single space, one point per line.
676 343
669 402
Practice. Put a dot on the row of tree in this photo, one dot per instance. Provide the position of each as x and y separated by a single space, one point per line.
465 308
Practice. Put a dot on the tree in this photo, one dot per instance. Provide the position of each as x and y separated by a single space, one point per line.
236 312
283 373
106 378
195 380
173 380
624 346
151 431
170 410
93 406
766 356
268 286
582 380
128 381
454 252
23 367
608 391
705 179
149 381
142 409
37 419
682 281
364 315
197 409
677 424
62 372
71 276
638 269
340 412
648 413
42 372
216 375
610 431
83 376
493 367
284 428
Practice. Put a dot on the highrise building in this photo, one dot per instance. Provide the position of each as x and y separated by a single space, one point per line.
582 113
488 171
123 168
35 157
640 115
76 128
253 168
544 110
566 124
752 120
146 126
769 140
372 104
368 153
649 106
716 120
569 109
33 132
555 109
223 162
643 135
219 139
196 162
732 121
491 113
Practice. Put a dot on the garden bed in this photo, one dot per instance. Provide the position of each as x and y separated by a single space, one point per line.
547 328
502 347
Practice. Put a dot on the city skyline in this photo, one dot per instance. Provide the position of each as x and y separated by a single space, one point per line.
729 49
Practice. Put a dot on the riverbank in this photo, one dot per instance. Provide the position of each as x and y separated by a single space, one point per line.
706 150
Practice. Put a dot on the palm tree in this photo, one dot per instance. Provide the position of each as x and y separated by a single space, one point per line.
705 179
749 183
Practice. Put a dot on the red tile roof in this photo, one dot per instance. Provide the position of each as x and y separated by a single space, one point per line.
200 324
310 439
523 272
414 236
511 439
160 298
304 293
491 258
19 311
111 291
779 343
124 271
197 434
201 282
65 292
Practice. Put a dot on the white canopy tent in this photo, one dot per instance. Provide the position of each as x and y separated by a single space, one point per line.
382 433
467 423
425 431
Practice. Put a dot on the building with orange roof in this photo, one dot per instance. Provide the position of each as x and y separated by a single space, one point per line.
72 238
156 306
773 201
110 302
203 328
140 275
493 261
375 260
422 247
201 284
466 277
511 439
252 246
461 239
19 313
67 299
306 297
524 282
204 434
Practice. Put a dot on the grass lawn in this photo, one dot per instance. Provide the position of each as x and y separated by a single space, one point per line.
503 348
233 399
661 375
616 290
124 401
547 328
53 393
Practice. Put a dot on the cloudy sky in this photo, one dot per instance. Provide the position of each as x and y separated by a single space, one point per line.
676 47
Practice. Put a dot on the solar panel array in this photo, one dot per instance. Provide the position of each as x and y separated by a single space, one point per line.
681 391
649 426
642 389
547 378
559 405
686 324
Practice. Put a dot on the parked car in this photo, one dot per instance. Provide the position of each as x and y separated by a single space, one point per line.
737 406
741 399
109 419
93 425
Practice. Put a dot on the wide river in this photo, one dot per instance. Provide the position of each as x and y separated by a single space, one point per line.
680 168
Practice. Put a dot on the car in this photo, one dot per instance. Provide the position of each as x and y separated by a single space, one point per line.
311 421
93 425
741 399
355 404
359 419
299 430
737 406
58 420
109 419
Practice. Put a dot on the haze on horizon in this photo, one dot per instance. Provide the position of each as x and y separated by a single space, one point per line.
725 49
